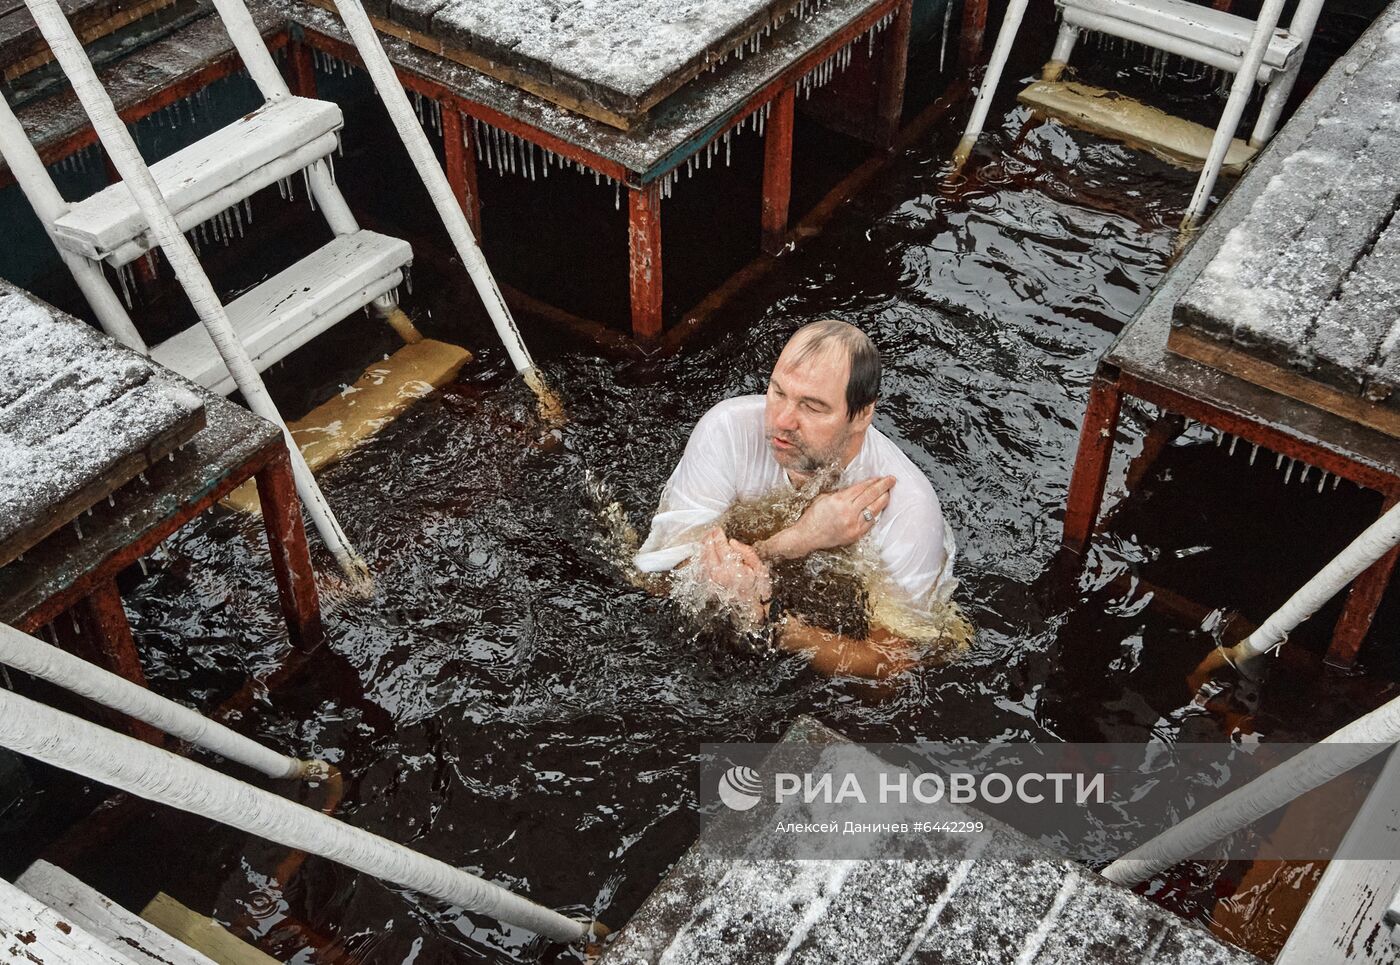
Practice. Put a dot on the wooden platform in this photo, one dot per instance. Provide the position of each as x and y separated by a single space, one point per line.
79 418
22 49
1234 399
1111 114
1000 898
568 52
1308 279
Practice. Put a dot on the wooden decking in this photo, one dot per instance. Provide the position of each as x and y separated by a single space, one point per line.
1240 400
1308 280
995 897
22 49
79 418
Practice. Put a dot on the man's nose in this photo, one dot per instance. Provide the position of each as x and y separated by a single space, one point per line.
785 419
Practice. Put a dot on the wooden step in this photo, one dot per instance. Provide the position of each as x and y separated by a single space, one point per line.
293 306
212 174
31 932
202 933
1215 37
1111 114
104 919
384 392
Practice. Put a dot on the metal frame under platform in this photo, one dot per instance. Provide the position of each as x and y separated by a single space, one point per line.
1139 364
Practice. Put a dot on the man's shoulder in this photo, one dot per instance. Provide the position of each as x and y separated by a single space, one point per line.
740 411
912 484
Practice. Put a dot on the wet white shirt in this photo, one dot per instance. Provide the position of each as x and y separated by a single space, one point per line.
728 459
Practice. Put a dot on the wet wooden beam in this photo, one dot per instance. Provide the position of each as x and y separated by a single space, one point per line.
1092 459
889 107
777 171
460 161
644 246
104 622
291 558
301 69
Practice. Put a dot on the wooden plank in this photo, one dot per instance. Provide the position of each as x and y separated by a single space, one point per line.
97 416
1193 345
293 306
104 919
381 394
99 27
31 933
201 933
644 245
777 171
1114 115
1345 920
1195 23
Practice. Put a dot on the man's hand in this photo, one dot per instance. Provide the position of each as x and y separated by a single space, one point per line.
833 520
737 573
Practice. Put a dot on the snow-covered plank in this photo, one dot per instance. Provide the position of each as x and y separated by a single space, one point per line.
998 897
293 306
1195 25
219 170
31 933
1345 920
79 417
104 919
1270 286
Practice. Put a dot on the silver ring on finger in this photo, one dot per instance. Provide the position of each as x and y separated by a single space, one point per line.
867 515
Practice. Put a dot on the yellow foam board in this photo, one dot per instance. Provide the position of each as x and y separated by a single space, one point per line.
379 396
1117 116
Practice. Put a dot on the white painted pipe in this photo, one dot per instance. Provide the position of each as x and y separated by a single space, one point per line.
1302 26
1006 37
391 93
1354 744
1373 543
33 179
1234 110
62 669
122 150
75 745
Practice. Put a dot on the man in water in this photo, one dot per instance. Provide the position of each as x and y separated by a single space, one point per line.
813 421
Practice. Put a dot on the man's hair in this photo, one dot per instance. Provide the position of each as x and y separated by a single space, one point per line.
863 383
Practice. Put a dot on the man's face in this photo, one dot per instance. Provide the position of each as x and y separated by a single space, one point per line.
804 417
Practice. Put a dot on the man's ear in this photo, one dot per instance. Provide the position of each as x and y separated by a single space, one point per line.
862 419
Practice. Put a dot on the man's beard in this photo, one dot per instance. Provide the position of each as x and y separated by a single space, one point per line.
802 459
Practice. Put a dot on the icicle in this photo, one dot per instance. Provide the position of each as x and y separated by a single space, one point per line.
282 188
141 561
408 278
306 180
1335 480
121 280
1322 481
1288 474
617 195
1253 452
78 528
1278 460
1233 443
150 258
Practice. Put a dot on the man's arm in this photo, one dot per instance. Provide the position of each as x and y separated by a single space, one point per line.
833 520
700 489
880 655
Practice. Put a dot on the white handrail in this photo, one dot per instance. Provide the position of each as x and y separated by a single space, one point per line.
33 179
391 93
39 659
73 744
1006 37
1245 79
126 158
1374 542
1354 744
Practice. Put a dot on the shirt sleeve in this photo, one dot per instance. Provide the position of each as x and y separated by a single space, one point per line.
703 485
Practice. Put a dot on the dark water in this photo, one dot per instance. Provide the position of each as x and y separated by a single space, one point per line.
508 703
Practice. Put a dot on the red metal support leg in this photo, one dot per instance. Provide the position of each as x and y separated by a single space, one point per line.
974 30
1091 462
1363 599
291 558
460 161
110 644
890 106
777 171
301 69
644 242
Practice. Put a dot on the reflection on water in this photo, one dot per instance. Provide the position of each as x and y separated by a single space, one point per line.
509 702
